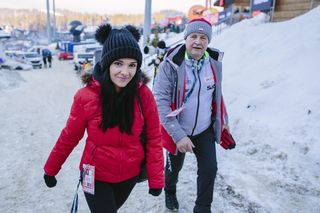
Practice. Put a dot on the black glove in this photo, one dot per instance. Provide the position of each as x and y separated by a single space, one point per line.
155 192
51 181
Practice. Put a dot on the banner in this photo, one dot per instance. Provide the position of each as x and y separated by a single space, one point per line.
228 12
228 2
225 15
225 3
222 17
262 5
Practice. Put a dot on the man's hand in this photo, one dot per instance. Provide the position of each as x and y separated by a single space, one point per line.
185 145
225 127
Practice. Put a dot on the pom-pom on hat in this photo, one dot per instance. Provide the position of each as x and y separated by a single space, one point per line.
118 43
199 25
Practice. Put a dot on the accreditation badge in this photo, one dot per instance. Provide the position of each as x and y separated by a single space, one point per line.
88 178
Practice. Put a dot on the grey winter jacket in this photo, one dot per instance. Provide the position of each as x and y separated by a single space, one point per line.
169 89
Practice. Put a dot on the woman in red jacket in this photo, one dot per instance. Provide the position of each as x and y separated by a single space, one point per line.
108 108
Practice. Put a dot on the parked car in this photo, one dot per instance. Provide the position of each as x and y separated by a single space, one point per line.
11 53
12 64
32 58
65 56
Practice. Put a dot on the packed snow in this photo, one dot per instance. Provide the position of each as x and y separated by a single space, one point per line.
271 86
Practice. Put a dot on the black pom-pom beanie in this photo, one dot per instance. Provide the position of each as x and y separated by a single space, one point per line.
117 44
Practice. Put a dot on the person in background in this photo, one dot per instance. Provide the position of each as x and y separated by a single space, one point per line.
44 57
188 94
108 108
49 59
86 65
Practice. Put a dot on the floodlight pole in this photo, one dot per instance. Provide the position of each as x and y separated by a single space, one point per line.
54 19
311 4
48 23
273 9
147 22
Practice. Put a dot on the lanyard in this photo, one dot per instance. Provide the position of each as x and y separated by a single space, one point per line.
196 67
74 207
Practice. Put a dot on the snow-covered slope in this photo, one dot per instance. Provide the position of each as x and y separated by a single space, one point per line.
271 86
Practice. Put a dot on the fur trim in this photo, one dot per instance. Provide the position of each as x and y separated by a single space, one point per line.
102 33
144 78
85 77
134 31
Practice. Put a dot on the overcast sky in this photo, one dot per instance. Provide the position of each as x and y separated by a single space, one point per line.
104 6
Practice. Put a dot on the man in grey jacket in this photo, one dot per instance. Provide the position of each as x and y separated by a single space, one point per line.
188 94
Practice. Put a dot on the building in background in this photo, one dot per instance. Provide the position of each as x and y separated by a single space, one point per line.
283 9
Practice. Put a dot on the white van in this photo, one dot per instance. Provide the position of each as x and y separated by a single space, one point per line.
32 58
82 58
83 54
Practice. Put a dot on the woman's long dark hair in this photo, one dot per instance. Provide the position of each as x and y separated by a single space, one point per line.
118 108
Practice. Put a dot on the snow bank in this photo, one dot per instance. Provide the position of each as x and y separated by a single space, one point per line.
9 78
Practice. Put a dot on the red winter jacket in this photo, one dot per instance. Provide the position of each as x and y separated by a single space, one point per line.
116 156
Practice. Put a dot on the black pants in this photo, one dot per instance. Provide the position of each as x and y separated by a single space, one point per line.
205 152
109 197
49 61
44 61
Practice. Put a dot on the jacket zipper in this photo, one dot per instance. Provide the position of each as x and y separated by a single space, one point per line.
196 121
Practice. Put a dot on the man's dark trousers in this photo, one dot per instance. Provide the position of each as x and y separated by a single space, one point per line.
205 152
